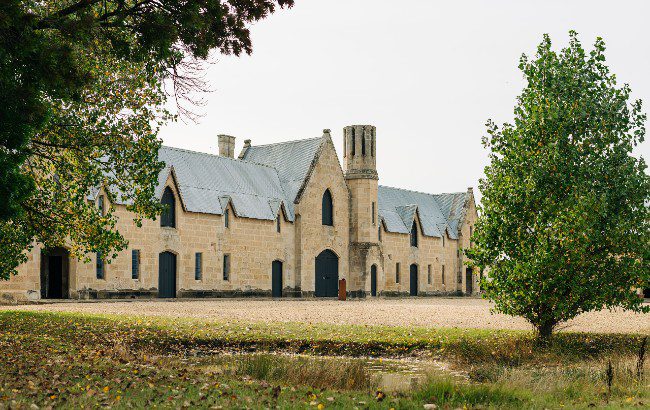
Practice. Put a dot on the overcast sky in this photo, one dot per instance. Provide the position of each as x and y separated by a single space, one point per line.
426 73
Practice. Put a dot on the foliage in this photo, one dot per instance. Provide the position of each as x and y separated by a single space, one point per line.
91 361
82 86
564 226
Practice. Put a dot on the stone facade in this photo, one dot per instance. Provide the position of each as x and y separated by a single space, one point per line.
358 237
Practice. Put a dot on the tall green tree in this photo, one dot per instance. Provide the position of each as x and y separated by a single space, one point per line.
564 221
83 84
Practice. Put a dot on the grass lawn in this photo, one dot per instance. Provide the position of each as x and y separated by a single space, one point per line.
74 360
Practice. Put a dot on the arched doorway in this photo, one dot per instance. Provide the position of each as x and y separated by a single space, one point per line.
327 274
55 273
469 281
276 279
414 280
166 275
373 280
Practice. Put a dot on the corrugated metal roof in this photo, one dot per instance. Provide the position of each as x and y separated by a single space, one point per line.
270 176
397 208
208 182
292 160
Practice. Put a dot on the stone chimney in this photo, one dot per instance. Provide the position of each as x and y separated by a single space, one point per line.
359 151
226 146
247 145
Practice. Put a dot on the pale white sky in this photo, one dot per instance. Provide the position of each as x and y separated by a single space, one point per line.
426 73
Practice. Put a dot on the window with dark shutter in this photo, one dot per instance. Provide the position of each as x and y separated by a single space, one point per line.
226 267
168 217
397 272
135 264
226 219
374 212
414 235
328 209
429 274
471 232
99 266
443 274
278 224
100 204
198 266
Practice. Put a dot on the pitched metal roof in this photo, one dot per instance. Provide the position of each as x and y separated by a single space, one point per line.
291 159
269 178
207 183
437 213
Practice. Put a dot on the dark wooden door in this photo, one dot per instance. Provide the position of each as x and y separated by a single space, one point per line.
55 279
327 274
373 280
469 281
414 280
167 275
276 280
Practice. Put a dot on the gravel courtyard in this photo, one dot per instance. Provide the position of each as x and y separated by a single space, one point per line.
430 312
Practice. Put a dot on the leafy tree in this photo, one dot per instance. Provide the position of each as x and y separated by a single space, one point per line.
564 224
82 86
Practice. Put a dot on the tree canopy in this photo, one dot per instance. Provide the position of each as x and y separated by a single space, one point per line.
564 221
83 86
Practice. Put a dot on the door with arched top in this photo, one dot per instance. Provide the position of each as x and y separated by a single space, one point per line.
276 279
166 275
373 280
327 274
414 280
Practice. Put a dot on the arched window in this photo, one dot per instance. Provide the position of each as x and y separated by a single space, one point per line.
414 235
168 217
328 209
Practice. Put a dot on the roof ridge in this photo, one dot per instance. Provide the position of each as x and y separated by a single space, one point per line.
420 192
219 156
285 142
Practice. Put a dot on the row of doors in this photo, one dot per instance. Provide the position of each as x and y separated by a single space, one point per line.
413 273
167 276
327 276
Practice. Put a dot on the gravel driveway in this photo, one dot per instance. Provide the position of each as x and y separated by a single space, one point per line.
427 312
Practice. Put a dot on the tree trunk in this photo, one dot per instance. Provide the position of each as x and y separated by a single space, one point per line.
544 332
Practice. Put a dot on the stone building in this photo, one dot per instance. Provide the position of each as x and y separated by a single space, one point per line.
281 220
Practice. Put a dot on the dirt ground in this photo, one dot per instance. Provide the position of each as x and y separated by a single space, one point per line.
429 312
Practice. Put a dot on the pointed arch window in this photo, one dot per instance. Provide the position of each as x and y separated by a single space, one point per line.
328 209
414 235
168 217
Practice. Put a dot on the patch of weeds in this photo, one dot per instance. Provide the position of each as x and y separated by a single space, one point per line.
444 392
321 373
